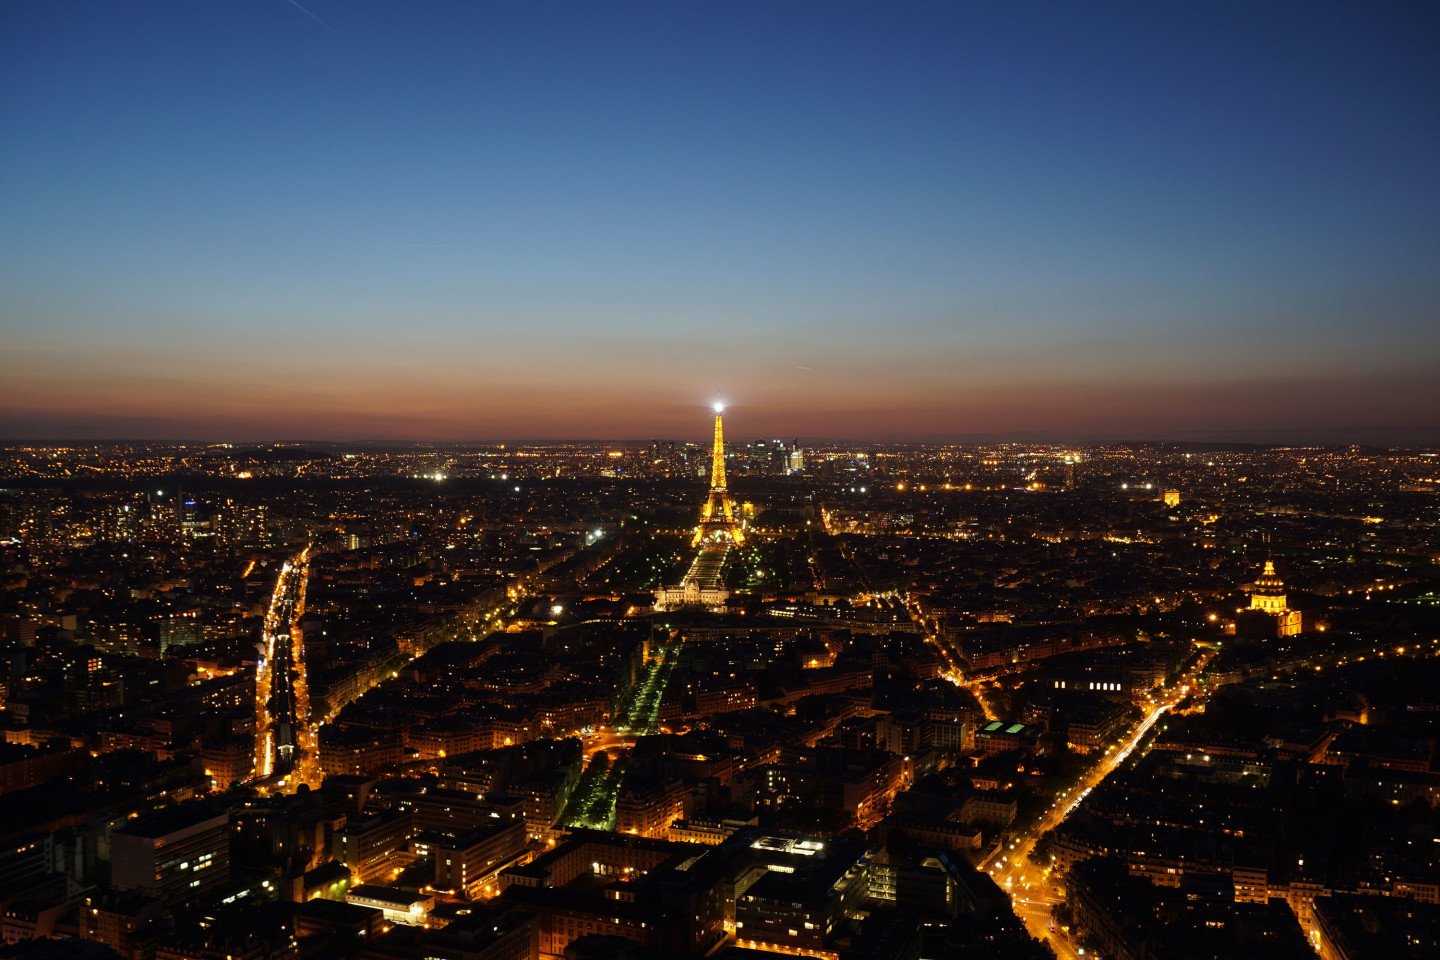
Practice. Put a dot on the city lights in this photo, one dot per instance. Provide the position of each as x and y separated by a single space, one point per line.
375 581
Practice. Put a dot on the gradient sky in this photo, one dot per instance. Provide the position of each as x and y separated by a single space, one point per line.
461 220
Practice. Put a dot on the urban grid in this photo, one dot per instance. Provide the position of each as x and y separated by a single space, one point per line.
719 480
559 701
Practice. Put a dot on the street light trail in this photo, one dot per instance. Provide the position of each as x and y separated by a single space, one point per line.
286 743
950 659
1032 890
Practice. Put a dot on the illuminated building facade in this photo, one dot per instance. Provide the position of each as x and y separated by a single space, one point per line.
1268 596
373 846
468 862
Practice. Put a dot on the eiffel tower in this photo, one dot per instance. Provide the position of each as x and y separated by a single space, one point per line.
717 517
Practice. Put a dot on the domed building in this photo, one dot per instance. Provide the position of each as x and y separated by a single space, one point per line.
1267 596
1268 591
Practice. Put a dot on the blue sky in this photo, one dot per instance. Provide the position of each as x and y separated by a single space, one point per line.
443 220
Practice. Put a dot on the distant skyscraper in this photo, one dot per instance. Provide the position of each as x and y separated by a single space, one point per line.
670 459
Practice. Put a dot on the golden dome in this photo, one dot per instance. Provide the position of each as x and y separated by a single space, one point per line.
1269 581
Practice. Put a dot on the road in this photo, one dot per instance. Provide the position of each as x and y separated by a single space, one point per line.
1032 890
950 660
607 740
286 748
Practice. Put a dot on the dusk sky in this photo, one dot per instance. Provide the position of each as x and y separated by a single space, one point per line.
416 219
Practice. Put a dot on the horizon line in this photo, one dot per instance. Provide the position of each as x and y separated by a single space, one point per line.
941 440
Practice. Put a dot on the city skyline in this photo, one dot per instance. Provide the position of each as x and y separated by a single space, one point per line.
1004 700
354 222
552 480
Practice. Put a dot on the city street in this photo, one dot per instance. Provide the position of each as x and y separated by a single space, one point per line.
286 745
1033 891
